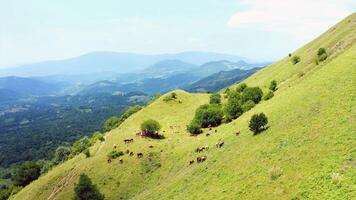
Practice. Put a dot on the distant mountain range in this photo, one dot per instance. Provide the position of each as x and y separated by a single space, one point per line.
99 62
220 80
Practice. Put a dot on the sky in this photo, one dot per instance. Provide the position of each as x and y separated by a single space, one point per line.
264 30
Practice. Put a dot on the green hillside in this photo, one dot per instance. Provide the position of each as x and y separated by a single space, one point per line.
308 152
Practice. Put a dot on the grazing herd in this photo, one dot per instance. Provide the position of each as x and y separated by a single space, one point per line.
198 159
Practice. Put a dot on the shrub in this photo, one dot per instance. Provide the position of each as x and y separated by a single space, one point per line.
251 93
295 59
61 154
240 88
115 154
194 128
248 106
150 126
86 190
268 96
258 123
26 172
215 99
322 55
209 115
233 109
170 97
45 165
96 136
86 152
132 110
273 85
111 123
80 145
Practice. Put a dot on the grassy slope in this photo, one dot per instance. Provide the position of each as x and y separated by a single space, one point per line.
310 140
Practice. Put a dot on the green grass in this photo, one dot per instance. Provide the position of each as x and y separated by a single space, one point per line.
309 151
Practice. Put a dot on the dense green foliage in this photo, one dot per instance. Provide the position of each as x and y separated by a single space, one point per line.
251 93
80 145
215 98
150 126
170 97
233 108
86 190
209 115
26 172
241 87
248 105
111 123
258 123
33 130
61 154
194 128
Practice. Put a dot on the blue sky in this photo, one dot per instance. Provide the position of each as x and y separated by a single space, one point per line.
37 30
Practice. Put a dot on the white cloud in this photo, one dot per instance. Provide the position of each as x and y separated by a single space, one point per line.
296 17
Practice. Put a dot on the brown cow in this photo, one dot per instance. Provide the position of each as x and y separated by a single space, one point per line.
131 153
237 133
128 140
220 144
191 162
140 155
207 135
121 161
201 159
127 151
109 160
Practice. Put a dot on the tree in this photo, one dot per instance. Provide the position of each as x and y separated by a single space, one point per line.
150 126
26 172
194 128
268 96
111 123
215 98
248 105
86 190
251 93
322 55
233 109
240 88
258 123
209 115
295 59
96 136
273 85
61 154
80 145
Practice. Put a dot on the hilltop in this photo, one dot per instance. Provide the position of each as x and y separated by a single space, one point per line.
308 151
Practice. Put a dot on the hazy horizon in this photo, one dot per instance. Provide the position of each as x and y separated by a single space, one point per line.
38 30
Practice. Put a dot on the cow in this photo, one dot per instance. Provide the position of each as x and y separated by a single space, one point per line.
237 133
121 161
207 135
127 151
109 160
128 141
151 146
219 144
191 162
139 155
201 159
131 153
114 146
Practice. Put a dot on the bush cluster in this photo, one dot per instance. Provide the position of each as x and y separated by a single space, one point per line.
322 55
240 100
295 59
115 154
258 123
